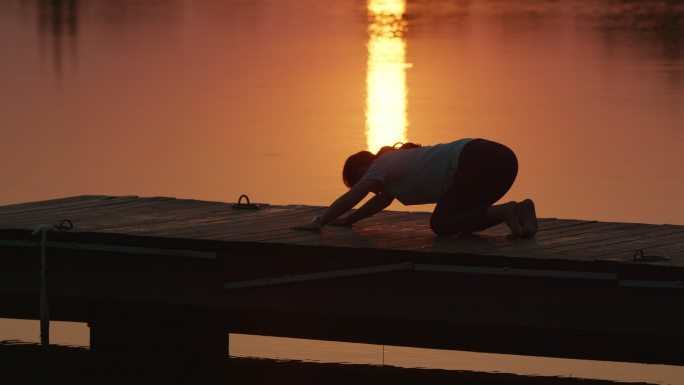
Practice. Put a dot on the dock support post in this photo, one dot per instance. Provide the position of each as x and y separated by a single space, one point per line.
140 336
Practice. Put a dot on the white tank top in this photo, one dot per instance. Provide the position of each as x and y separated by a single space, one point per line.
418 175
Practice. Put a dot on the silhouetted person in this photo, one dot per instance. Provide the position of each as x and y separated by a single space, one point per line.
465 178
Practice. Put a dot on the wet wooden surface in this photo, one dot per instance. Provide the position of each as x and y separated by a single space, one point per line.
161 217
584 318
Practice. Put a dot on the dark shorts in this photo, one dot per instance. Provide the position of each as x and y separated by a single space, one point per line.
486 171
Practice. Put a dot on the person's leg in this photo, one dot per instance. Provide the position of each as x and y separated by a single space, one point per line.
528 218
508 213
486 172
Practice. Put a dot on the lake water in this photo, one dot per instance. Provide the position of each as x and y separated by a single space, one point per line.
211 99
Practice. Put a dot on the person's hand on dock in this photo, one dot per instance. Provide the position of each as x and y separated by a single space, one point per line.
314 225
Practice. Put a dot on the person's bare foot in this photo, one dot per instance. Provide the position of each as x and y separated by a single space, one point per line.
528 218
512 219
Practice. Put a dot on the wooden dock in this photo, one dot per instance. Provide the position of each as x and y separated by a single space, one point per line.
141 269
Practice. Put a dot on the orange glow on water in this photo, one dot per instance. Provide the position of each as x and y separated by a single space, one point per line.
386 120
387 7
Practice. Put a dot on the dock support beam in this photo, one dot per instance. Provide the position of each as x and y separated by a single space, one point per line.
141 336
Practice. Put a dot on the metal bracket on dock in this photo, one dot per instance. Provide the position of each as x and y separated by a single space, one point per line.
248 205
639 256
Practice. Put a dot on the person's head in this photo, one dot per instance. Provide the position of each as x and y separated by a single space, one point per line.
357 164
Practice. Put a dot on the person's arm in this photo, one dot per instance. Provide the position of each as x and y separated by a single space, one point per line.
343 204
373 206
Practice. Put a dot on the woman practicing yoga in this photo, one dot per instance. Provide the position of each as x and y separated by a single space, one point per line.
465 178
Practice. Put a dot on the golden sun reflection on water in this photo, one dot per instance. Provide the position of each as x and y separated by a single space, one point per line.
386 120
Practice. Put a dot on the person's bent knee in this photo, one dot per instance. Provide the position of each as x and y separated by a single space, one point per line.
439 227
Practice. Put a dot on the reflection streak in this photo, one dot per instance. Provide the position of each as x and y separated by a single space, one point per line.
386 121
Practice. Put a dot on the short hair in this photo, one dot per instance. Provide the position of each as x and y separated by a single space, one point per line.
350 174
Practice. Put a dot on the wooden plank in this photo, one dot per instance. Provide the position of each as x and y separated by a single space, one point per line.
30 220
677 246
414 234
336 238
407 240
293 235
49 204
40 212
94 215
225 228
278 228
267 232
88 201
568 234
92 219
488 240
626 249
167 217
272 228
559 223
239 215
148 210
172 215
580 229
616 237
622 254
583 240
493 240
289 217
406 237
388 217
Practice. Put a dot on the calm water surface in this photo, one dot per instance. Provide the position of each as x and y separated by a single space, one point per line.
212 99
